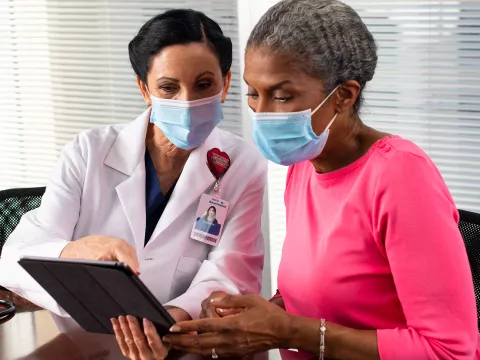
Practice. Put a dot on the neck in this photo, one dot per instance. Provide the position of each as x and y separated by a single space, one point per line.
166 157
346 149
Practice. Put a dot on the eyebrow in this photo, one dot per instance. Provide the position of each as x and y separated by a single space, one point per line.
196 78
168 78
275 86
204 73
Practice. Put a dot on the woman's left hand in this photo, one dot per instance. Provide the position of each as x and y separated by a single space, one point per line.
136 344
143 345
262 326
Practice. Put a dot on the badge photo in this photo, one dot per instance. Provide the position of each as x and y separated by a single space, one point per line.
210 218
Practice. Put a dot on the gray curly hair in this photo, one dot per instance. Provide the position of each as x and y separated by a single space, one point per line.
326 38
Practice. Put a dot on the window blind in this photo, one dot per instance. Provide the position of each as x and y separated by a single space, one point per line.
426 89
64 68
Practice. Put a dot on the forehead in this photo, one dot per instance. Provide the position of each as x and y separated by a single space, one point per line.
262 64
264 69
185 59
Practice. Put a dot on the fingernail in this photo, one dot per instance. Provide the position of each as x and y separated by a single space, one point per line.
166 340
175 328
220 310
146 322
215 300
131 319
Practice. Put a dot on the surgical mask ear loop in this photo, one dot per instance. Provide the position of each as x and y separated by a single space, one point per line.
324 100
331 122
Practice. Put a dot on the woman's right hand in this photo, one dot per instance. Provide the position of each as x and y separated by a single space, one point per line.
96 247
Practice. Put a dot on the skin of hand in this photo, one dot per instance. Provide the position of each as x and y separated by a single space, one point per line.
138 344
278 301
96 247
264 325
210 311
241 334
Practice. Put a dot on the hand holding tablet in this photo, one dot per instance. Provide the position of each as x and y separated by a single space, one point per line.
93 292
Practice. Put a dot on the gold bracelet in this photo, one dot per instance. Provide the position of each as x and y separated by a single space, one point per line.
323 329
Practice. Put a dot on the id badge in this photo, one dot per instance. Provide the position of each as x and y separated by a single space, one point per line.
209 220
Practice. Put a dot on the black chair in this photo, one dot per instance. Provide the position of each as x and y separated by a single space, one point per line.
469 226
13 204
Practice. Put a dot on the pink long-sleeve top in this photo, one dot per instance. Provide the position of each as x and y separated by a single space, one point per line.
375 245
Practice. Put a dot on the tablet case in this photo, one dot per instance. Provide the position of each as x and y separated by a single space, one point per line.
92 292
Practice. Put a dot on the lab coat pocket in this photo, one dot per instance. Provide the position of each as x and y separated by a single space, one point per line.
186 270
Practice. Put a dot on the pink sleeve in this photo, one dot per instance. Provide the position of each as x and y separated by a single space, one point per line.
276 296
417 228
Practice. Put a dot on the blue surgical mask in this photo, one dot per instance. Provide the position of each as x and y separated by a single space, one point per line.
288 138
187 124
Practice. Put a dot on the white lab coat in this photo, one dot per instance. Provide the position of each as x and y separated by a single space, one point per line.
98 187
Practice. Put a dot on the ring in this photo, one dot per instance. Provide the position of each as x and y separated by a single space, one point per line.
214 354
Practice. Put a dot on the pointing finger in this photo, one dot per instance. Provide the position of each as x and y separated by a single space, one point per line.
202 326
233 301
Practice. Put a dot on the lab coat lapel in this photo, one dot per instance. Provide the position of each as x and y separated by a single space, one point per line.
195 179
131 193
127 156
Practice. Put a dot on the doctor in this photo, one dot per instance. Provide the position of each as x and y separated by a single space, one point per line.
131 192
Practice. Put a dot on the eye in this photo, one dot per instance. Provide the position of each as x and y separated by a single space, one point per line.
283 100
204 84
253 96
167 88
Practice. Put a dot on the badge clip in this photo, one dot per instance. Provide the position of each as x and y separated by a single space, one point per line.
218 163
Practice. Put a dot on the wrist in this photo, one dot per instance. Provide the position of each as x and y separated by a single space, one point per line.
305 336
287 327
178 314
296 333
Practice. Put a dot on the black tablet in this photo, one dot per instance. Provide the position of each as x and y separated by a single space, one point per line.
93 292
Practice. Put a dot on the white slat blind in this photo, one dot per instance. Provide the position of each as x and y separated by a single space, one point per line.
426 89
427 85
64 68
